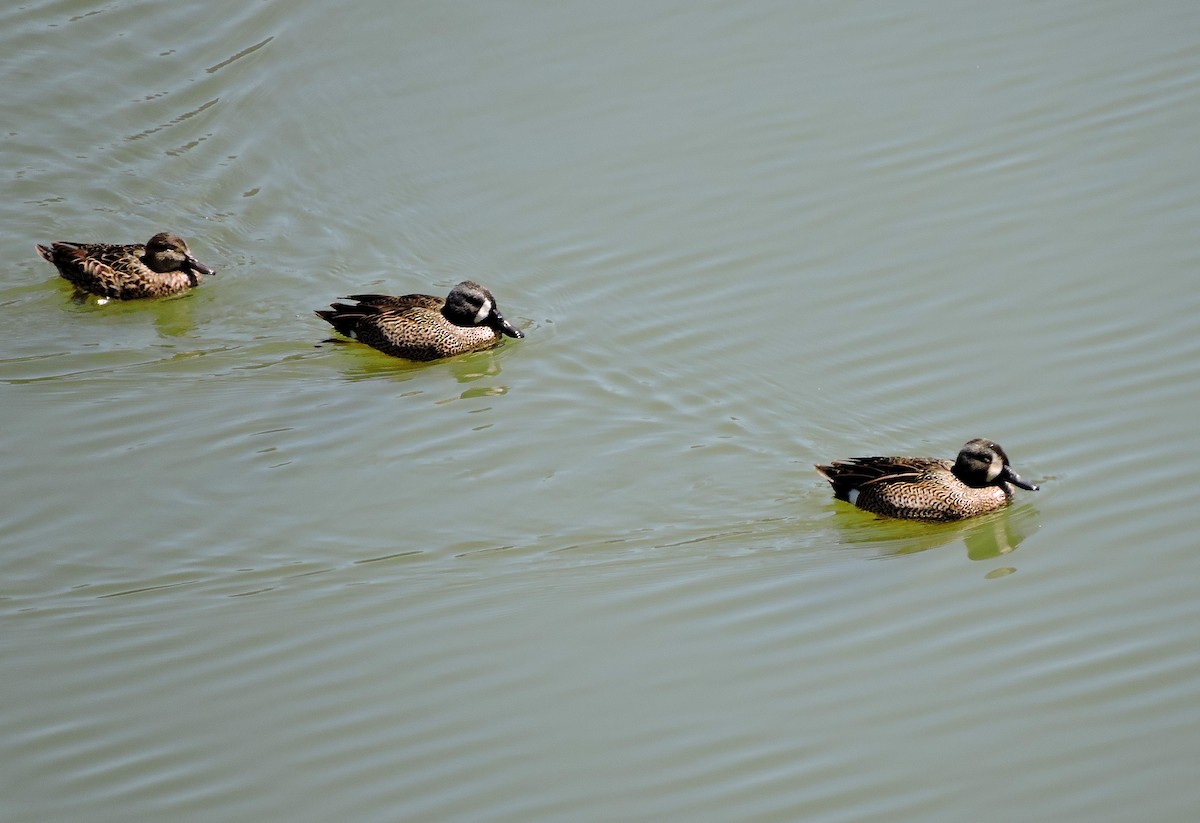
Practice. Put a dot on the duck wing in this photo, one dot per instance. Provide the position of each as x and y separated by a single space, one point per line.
388 302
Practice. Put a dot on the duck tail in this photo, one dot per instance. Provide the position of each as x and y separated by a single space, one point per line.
342 317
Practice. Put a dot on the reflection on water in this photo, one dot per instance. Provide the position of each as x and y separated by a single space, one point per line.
985 537
1002 534
366 364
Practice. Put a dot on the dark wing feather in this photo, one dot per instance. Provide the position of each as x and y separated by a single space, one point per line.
859 472
101 261
395 303
345 317
119 257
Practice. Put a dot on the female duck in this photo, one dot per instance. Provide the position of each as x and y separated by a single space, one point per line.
925 488
163 265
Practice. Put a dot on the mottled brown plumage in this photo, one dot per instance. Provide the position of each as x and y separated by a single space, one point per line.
161 266
925 488
421 326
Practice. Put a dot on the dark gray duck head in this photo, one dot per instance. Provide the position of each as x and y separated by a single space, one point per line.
470 304
983 463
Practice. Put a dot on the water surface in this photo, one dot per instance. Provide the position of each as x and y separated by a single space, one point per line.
591 575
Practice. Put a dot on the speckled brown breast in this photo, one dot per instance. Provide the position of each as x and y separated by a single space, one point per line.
934 493
420 332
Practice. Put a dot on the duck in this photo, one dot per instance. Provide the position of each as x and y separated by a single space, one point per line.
423 327
162 266
978 481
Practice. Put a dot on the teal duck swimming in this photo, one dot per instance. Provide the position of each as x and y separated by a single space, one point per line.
925 488
161 266
421 326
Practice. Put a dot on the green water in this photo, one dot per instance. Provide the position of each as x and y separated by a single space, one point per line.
591 575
